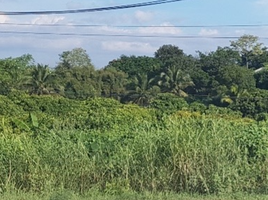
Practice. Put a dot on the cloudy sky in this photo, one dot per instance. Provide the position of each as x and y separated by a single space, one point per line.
106 38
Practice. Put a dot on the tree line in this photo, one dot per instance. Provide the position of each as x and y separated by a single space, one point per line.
234 76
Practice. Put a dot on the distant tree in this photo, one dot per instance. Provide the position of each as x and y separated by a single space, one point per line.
41 81
259 61
252 104
14 72
175 81
203 83
76 75
248 47
234 81
113 82
75 58
213 61
167 54
261 78
235 75
143 90
134 65
81 83
205 73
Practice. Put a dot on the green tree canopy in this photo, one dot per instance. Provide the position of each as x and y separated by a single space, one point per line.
213 61
113 82
77 57
248 47
170 55
167 53
76 75
235 75
14 72
262 78
134 65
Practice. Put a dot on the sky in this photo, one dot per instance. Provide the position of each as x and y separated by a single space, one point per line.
102 46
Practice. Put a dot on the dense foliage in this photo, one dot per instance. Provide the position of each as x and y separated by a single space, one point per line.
54 142
224 77
172 122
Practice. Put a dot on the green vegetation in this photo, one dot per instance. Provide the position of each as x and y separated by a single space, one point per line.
56 143
173 125
231 77
66 195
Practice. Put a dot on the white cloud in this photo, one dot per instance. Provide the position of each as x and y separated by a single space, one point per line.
4 18
44 43
240 32
142 16
45 19
165 28
208 32
108 29
128 46
64 43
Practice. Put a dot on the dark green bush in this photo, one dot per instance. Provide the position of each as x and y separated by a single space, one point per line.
197 107
168 103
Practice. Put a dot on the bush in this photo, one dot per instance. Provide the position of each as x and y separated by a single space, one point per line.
197 107
8 107
251 104
168 103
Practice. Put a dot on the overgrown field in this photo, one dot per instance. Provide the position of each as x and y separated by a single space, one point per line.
93 195
51 144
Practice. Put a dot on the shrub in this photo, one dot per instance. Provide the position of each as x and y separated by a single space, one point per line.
168 103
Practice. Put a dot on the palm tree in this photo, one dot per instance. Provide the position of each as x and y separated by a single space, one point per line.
41 80
234 92
175 81
144 90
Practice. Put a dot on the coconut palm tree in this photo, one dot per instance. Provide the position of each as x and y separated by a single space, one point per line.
41 81
175 81
143 90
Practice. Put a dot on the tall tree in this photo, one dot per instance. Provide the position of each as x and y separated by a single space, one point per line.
134 65
261 60
113 82
237 75
212 62
77 75
234 81
167 53
207 68
261 78
248 47
77 57
81 83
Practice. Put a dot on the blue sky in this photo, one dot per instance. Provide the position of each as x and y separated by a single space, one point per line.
102 49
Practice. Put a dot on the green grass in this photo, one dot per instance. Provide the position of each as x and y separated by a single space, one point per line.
186 155
128 196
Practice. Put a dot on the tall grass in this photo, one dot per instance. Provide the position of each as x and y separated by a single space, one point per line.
181 154
67 195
